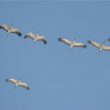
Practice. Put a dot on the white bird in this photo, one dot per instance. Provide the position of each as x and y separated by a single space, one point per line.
36 37
72 44
101 47
18 83
9 29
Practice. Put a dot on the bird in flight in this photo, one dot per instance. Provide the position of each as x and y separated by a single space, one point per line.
18 83
10 29
35 37
72 44
101 47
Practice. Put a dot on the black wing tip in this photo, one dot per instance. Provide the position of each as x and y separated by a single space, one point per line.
0 26
59 39
20 34
7 80
25 36
85 46
45 42
89 41
28 88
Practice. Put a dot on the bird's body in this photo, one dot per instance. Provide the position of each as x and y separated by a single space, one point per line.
9 29
36 37
18 83
99 46
72 44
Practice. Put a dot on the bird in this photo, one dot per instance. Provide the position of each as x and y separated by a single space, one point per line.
72 44
18 83
101 47
10 29
35 37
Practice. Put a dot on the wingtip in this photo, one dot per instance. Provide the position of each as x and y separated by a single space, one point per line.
45 42
28 88
25 36
89 41
7 80
85 46
0 26
20 34
59 39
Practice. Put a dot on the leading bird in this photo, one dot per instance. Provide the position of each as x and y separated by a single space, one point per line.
72 44
35 37
18 83
9 29
101 47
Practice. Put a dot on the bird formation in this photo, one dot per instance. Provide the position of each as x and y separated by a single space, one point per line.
35 37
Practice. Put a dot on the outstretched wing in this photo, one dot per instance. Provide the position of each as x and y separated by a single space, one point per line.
5 27
106 48
65 41
78 44
24 85
16 31
44 41
95 44
29 35
14 81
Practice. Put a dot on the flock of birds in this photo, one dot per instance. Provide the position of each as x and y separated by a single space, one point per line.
36 37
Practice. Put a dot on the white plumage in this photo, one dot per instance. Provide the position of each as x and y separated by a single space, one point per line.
9 29
99 46
72 43
36 37
18 83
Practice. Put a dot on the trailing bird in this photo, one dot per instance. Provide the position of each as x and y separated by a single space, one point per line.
9 29
72 44
35 37
101 47
18 83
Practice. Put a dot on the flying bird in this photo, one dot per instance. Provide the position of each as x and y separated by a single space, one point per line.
72 44
101 47
18 83
9 29
35 37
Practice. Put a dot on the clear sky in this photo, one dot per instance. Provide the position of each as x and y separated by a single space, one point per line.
60 78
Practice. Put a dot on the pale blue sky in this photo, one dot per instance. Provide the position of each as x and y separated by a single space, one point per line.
59 79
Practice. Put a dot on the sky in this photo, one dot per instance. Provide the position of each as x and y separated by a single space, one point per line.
60 78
